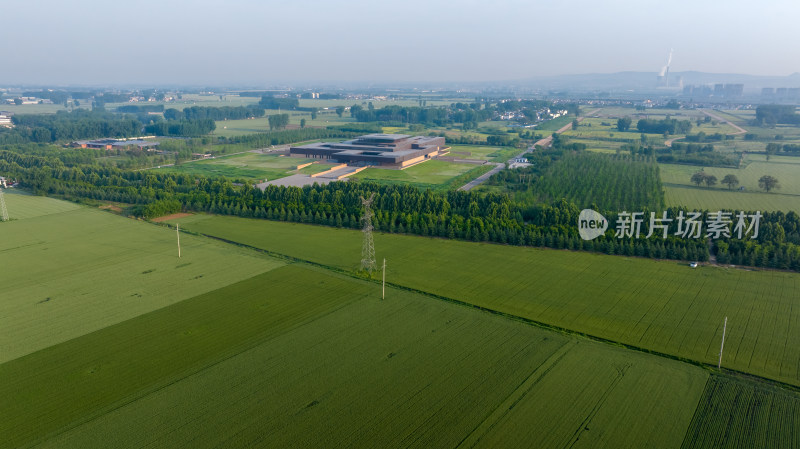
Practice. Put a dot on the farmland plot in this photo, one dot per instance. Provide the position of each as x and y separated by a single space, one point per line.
657 305
681 192
85 377
22 205
597 397
73 270
738 415
407 371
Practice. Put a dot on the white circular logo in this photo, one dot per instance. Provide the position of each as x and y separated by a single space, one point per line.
591 224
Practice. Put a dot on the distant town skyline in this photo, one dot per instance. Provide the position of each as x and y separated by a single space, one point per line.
91 42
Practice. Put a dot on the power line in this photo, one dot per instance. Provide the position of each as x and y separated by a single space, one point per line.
368 248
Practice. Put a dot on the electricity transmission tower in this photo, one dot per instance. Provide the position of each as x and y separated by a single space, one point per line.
368 249
3 210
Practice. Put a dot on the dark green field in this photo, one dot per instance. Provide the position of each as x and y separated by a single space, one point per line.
303 355
298 356
661 306
735 414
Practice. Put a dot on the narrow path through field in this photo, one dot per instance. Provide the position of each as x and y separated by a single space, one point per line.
480 179
517 395
723 120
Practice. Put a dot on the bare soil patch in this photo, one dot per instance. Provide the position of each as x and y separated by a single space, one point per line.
171 217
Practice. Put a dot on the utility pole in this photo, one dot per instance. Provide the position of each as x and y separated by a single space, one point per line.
178 232
724 327
3 210
383 291
368 247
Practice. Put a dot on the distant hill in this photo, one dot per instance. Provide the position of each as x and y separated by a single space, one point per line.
645 81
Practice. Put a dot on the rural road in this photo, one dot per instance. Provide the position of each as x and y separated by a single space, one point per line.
722 120
739 129
549 139
479 180
542 142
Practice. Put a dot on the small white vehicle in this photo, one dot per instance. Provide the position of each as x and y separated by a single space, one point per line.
693 264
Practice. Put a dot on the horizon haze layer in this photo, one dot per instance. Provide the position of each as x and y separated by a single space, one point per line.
245 42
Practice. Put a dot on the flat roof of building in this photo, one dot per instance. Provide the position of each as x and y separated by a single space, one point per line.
141 143
384 136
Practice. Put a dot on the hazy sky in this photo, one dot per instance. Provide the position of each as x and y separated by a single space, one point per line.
293 41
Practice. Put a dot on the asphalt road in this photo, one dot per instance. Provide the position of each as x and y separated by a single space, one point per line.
542 142
479 180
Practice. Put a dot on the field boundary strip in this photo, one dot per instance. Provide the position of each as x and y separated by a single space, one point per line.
562 330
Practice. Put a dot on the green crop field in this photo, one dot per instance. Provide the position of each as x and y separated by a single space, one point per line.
785 168
662 306
735 414
230 347
333 103
600 147
72 270
189 100
681 192
594 131
429 173
22 205
37 108
116 364
251 166
595 402
299 357
746 117
227 128
739 117
718 199
554 124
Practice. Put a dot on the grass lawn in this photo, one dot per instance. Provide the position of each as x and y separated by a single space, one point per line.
701 198
251 166
430 172
486 153
680 190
